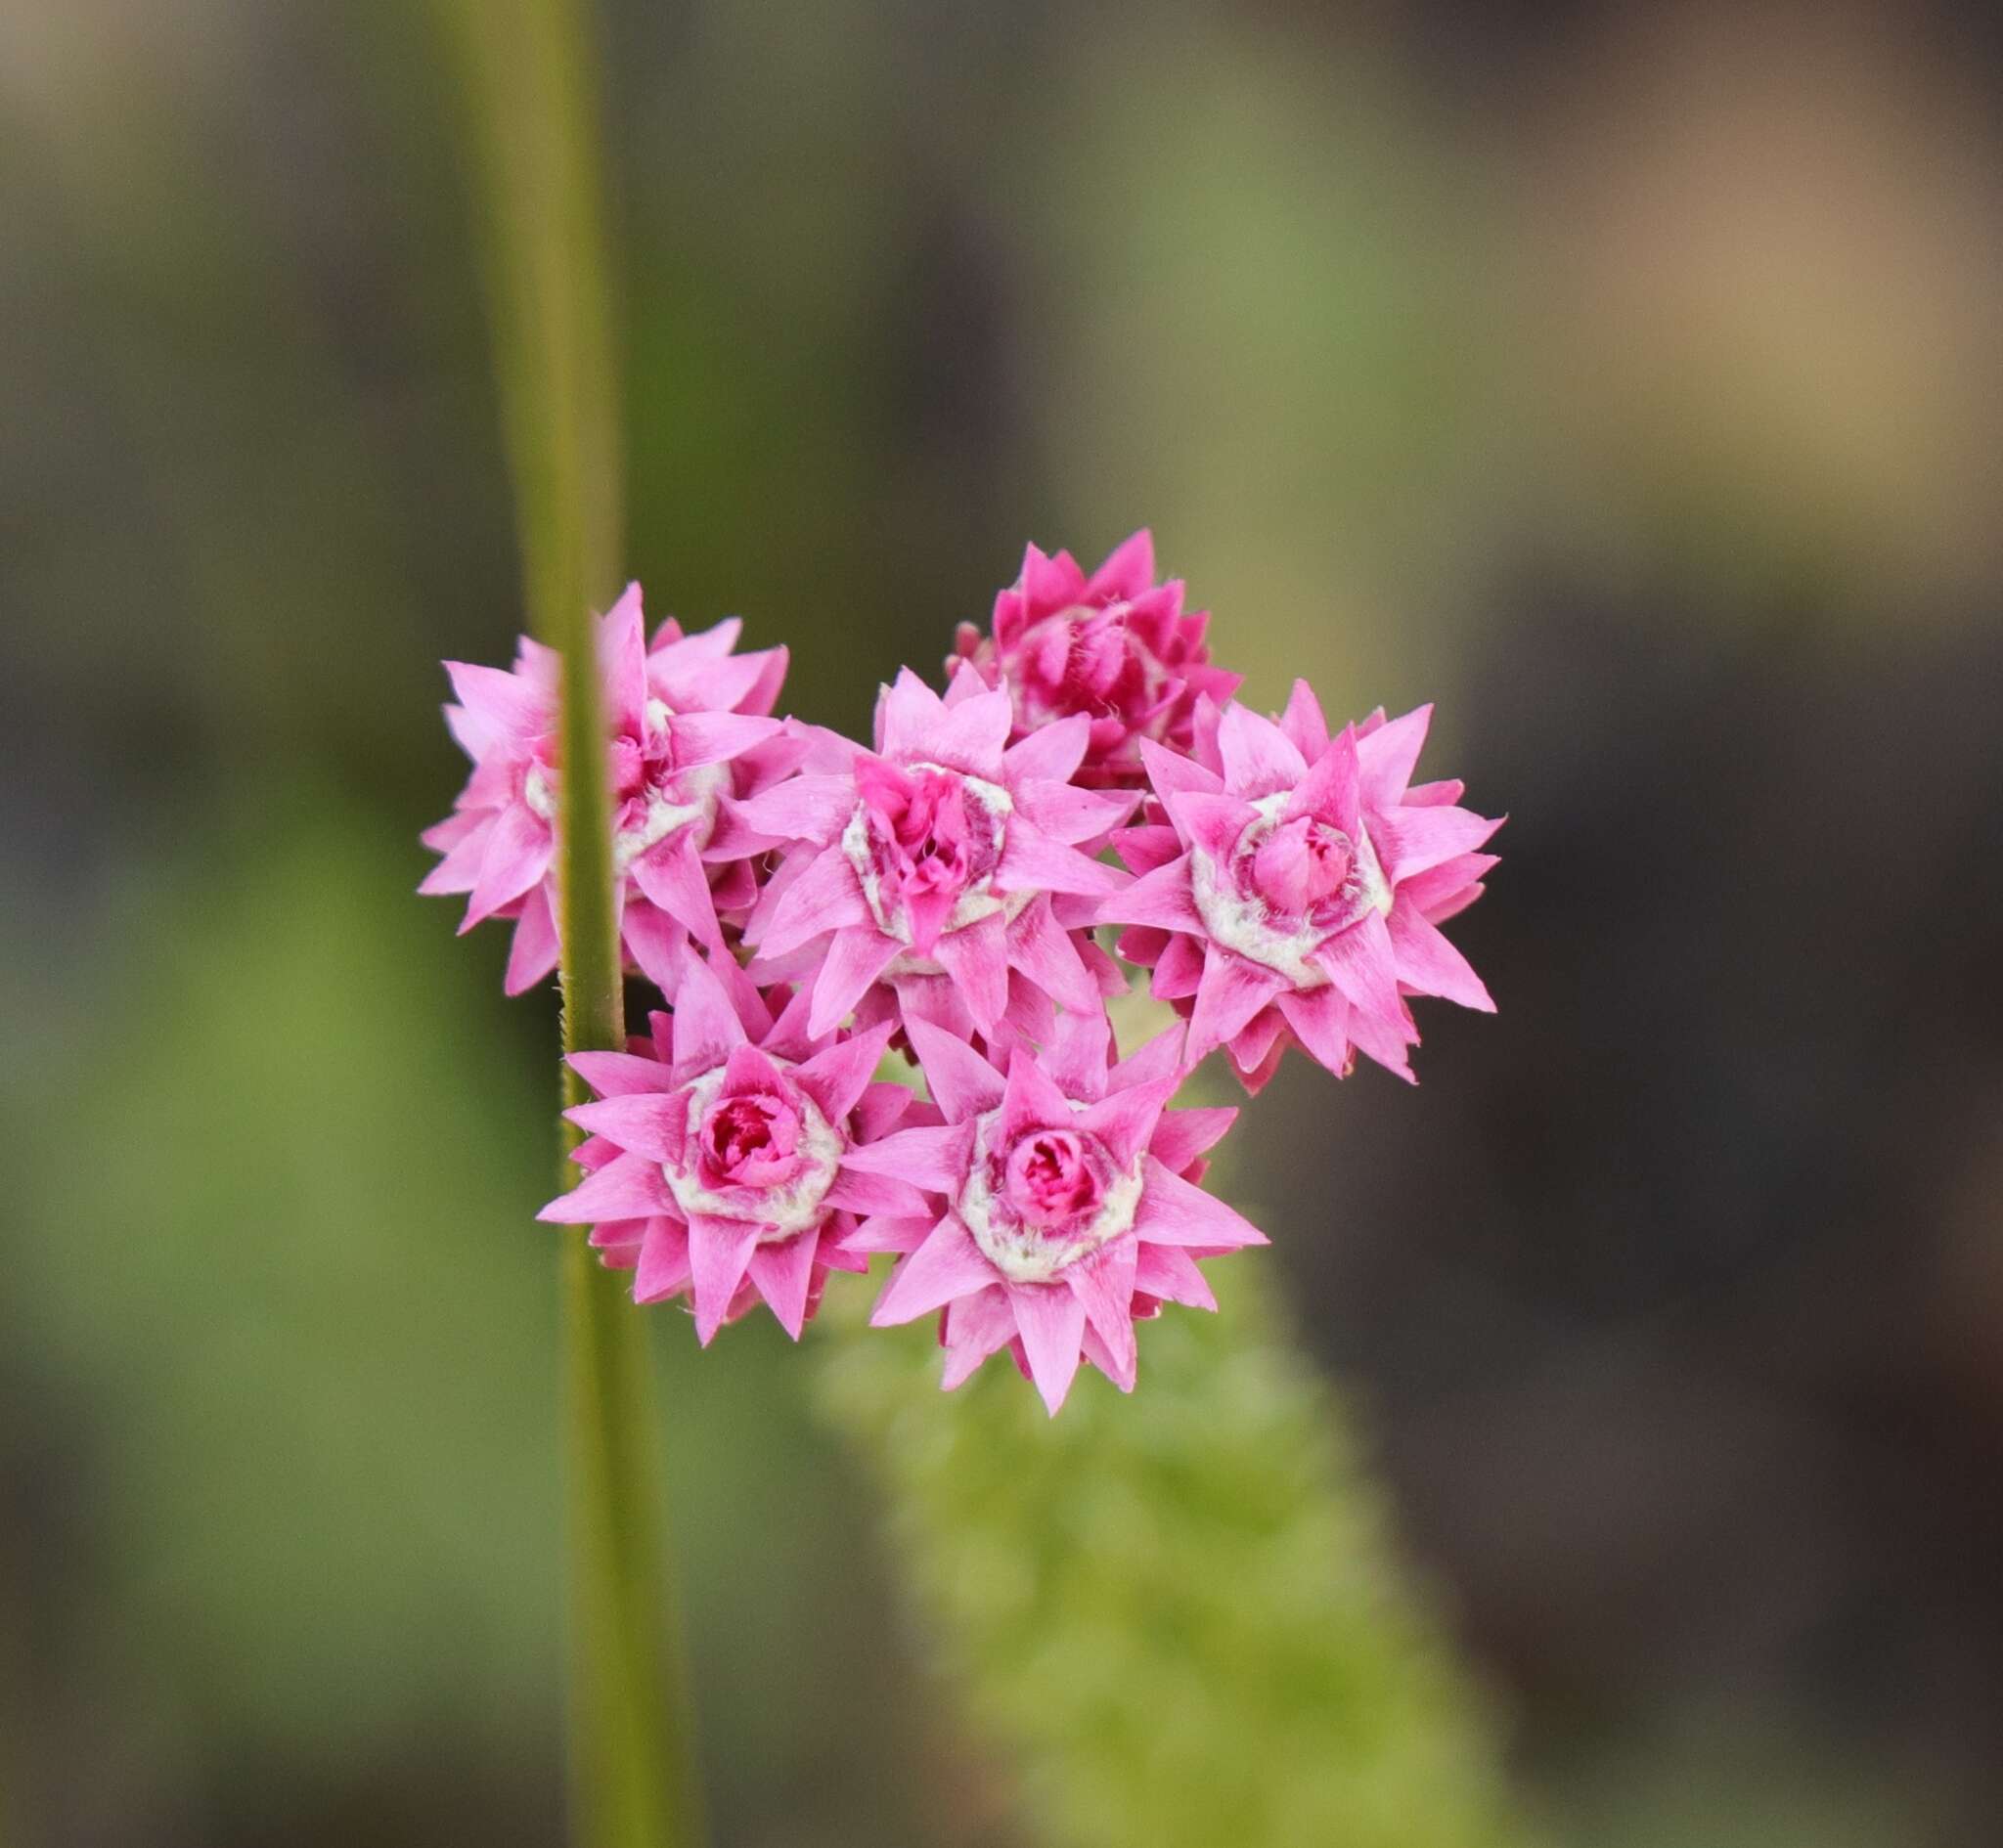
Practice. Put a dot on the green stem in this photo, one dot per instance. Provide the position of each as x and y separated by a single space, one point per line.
531 120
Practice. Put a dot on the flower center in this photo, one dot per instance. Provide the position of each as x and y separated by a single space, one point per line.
651 799
924 845
1045 1199
1286 887
766 1156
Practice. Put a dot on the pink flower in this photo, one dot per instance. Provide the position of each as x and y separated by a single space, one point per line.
1066 1205
722 1159
940 874
690 732
1115 647
1297 889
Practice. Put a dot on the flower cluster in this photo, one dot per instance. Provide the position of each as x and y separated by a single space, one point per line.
962 891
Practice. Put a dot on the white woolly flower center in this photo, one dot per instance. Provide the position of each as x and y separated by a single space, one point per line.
680 799
1238 918
779 1211
1028 1253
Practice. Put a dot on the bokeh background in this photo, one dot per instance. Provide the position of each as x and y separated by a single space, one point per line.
1626 379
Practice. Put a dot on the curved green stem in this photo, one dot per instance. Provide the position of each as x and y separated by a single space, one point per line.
531 122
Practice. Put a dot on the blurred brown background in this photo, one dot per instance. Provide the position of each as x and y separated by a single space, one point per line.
1626 379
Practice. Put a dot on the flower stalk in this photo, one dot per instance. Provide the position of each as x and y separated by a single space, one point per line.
525 69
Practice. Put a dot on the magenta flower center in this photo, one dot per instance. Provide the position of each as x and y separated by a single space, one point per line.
651 799
1049 1179
749 1141
1288 884
761 1152
1298 867
1045 1198
924 842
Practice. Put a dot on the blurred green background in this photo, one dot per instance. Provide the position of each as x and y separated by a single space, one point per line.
1625 379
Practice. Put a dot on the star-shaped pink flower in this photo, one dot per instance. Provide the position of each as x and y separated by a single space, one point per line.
945 870
1116 646
1064 1203
688 733
1296 888
723 1162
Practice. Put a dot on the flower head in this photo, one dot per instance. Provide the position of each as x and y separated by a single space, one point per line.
721 1158
688 733
1116 646
942 873
1296 888
1063 1204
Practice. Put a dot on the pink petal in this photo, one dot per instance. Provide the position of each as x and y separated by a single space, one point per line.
517 856
663 1269
532 955
1390 755
1032 861
1129 569
904 714
622 662
1233 988
1169 1272
1126 1120
629 1188
1051 1322
826 896
1162 899
782 1272
853 1189
1303 721
719 1251
1104 1284
707 1027
976 1327
962 1083
1413 840
654 941
970 734
1050 754
1211 822
1159 1058
647 1124
1048 956
947 1265
622 1073
1333 789
1259 758
976 957
1173 1212
1320 1019
1075 1057
932 1156
1361 962
1183 1135
671 876
1032 1099
889 1232
1429 963
715 737
855 958
803 809
1070 815
835 1078
502 709
883 1104
460 869
1174 774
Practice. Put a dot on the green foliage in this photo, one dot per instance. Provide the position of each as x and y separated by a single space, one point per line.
1177 1615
